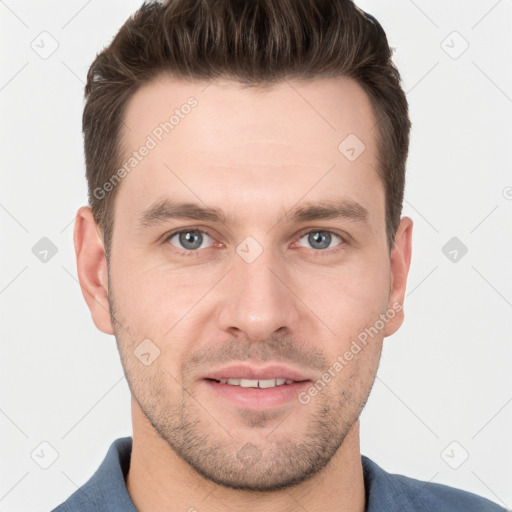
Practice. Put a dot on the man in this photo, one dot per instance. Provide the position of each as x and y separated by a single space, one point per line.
246 167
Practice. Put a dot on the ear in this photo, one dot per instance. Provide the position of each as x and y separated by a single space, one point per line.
400 263
92 268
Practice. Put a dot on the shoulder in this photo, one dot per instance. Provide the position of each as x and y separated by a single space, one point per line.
106 489
398 492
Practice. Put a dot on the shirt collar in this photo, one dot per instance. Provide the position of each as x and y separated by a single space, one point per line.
107 487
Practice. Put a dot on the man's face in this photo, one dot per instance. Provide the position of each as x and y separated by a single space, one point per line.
265 291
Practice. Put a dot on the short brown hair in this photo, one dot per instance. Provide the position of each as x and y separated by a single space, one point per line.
254 42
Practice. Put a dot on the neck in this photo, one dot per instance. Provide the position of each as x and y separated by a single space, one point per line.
158 479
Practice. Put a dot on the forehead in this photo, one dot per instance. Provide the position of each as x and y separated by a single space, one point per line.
226 113
208 140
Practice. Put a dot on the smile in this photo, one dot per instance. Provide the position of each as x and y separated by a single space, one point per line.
252 383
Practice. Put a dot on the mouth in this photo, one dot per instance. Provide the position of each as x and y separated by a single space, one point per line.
256 388
255 383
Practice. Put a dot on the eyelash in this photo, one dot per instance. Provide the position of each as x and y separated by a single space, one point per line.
197 252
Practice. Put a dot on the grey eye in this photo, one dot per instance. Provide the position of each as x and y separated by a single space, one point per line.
191 240
320 239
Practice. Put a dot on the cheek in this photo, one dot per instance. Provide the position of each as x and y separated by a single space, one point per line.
349 297
158 302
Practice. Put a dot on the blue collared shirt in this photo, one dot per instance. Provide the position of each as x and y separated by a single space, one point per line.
106 490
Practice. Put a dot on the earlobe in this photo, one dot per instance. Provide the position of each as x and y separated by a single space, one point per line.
92 268
400 264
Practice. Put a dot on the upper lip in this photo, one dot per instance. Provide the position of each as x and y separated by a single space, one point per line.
251 372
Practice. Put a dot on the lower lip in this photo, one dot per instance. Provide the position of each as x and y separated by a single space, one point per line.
258 398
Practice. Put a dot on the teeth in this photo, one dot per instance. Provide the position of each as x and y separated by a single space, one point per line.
246 383
269 383
251 383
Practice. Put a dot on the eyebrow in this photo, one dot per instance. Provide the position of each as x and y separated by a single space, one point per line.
166 209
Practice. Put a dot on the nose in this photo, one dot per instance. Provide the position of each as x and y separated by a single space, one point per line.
259 299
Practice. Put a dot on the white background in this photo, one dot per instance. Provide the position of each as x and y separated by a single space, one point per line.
444 377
